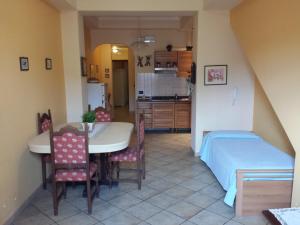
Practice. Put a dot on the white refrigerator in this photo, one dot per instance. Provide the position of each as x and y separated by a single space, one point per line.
97 94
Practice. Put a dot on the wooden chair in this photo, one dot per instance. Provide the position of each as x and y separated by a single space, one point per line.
70 163
134 154
102 115
44 123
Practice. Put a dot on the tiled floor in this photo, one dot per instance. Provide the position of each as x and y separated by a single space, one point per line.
179 189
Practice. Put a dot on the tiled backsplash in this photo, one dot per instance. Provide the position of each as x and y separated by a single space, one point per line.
153 84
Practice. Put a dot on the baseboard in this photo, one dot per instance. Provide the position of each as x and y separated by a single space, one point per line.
18 211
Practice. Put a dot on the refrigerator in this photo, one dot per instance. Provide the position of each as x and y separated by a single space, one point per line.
97 94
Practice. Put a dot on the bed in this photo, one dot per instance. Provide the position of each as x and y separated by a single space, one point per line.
255 174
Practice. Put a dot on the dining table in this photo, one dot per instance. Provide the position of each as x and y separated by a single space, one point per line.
106 137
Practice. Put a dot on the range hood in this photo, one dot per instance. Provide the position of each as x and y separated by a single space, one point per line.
165 69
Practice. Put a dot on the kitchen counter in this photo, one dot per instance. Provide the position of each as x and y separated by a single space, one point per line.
165 99
165 112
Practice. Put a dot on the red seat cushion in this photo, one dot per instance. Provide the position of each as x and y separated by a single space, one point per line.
74 174
46 125
103 116
129 154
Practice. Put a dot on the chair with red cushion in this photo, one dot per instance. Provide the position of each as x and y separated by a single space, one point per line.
134 154
70 163
102 115
44 123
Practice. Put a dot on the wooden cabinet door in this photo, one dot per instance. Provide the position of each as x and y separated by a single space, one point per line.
182 115
163 115
184 63
164 57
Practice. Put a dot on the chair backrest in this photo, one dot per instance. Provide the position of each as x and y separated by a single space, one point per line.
102 115
141 132
69 148
44 122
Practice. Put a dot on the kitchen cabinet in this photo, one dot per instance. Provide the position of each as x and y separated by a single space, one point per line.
180 61
166 114
184 63
163 115
165 59
146 109
182 115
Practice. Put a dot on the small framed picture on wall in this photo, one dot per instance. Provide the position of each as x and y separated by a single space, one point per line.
24 63
215 75
83 66
48 64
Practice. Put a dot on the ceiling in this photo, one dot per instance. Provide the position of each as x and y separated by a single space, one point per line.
140 22
220 4
63 5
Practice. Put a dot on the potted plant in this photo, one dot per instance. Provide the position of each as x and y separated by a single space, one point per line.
89 118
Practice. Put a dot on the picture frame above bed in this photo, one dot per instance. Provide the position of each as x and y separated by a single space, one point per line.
215 75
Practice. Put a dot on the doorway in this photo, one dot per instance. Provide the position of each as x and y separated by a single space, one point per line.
120 83
120 91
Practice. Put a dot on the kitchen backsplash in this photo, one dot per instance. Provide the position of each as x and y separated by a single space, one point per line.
153 84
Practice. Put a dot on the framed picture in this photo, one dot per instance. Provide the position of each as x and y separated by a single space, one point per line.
83 66
48 64
215 75
24 63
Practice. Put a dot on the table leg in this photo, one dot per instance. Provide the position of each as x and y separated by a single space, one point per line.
102 163
104 180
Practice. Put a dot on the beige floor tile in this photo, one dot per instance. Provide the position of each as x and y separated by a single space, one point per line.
105 211
122 219
208 218
143 210
184 210
79 219
179 192
165 218
201 200
125 201
162 201
221 209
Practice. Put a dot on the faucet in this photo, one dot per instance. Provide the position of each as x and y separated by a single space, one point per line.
176 96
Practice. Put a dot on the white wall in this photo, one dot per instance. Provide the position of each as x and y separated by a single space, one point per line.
214 109
153 84
72 72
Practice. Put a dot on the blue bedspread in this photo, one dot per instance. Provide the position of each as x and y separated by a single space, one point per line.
224 152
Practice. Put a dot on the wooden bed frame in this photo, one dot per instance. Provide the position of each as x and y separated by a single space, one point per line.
254 196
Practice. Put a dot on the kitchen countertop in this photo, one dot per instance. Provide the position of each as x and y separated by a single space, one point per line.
169 99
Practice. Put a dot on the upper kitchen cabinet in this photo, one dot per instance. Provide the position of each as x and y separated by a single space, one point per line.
177 61
165 59
184 63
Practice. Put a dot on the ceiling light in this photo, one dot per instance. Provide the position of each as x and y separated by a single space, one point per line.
115 49
149 39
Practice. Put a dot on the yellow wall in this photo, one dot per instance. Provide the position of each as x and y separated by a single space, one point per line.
74 87
266 123
121 55
28 28
269 33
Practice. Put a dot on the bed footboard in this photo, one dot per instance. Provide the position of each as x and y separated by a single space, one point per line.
258 190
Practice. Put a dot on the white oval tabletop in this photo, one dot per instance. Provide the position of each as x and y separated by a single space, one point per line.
106 137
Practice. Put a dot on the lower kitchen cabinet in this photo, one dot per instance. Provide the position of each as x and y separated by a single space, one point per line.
166 114
182 115
163 115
